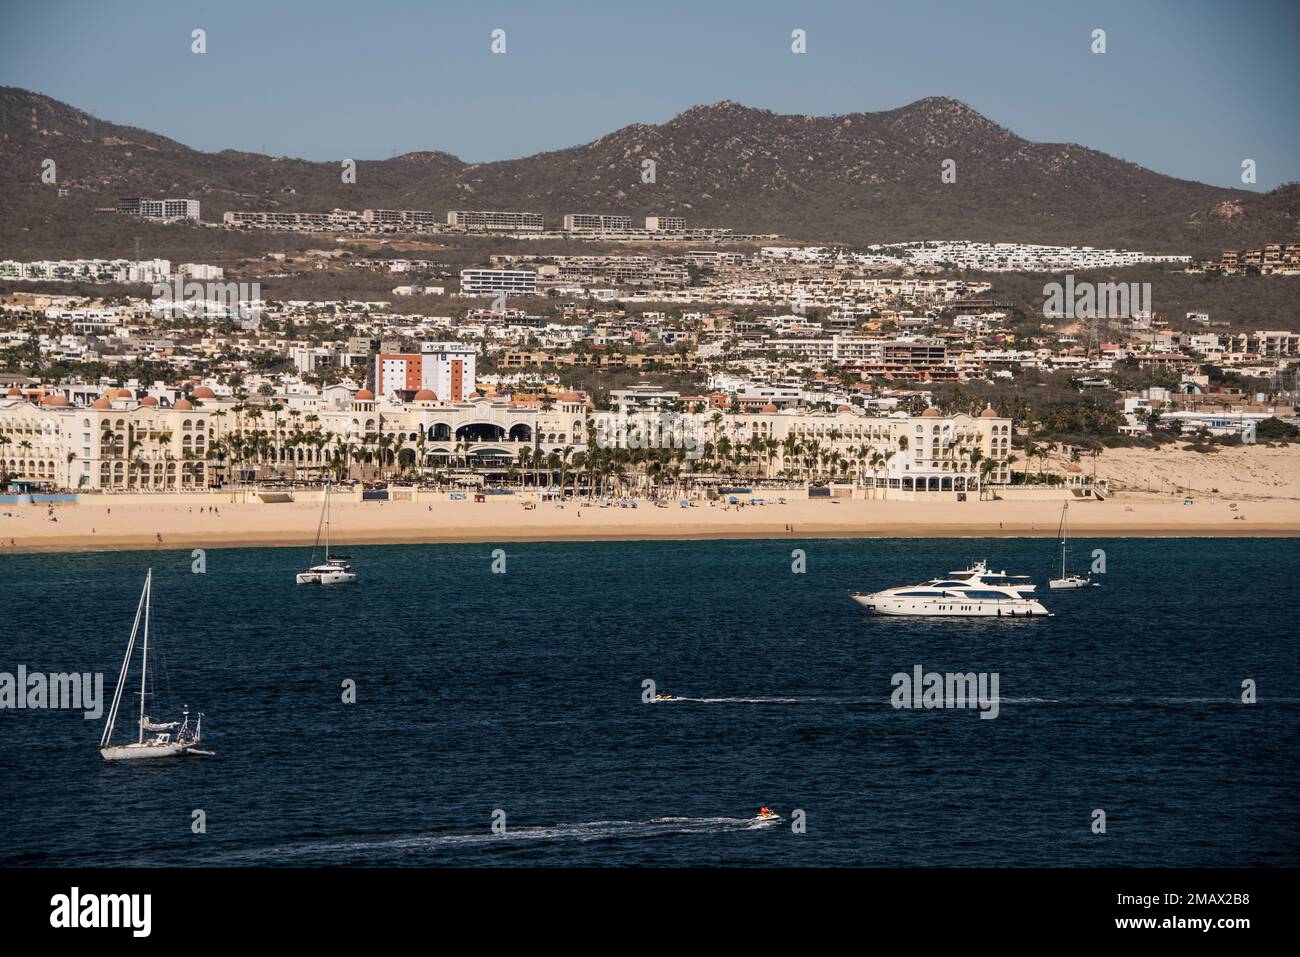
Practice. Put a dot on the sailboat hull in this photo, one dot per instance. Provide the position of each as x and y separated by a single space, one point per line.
326 578
140 752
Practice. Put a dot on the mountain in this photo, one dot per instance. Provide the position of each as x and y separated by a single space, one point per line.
856 178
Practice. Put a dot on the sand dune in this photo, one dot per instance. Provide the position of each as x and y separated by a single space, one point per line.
1240 472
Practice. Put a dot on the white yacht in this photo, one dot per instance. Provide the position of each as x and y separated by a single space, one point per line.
1069 579
334 570
970 592
161 743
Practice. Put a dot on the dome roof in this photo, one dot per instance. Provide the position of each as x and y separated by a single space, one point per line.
931 413
203 392
14 391
988 413
183 405
57 401
149 400
425 395
769 408
1075 467
844 408
125 394
569 397
364 395
101 403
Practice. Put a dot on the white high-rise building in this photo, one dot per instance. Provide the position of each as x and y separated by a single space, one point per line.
444 369
448 369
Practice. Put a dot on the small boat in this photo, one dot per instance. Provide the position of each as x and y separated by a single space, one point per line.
766 814
1069 579
334 570
162 742
666 697
971 592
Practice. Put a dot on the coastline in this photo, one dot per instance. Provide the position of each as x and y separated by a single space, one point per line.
137 522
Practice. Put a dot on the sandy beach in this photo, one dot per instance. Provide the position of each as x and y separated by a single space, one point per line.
1236 492
214 521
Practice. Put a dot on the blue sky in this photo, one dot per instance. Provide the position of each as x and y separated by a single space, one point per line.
1187 87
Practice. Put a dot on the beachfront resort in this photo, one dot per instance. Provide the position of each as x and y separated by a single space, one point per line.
74 441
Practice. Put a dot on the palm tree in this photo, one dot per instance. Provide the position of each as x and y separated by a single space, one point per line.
132 446
986 469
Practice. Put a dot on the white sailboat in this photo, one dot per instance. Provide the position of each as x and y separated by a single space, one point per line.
1068 579
335 570
162 743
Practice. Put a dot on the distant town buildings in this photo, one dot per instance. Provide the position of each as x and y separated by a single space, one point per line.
88 270
982 257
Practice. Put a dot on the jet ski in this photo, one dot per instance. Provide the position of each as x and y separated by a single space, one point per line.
667 697
766 814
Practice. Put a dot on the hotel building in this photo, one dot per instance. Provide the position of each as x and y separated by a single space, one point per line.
597 222
897 455
115 442
163 210
474 220
119 441
665 224
418 218
445 370
516 282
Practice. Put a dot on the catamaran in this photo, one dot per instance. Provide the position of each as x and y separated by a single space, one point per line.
336 569
1068 579
969 592
162 743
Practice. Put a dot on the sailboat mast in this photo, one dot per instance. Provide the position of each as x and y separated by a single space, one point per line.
126 665
1064 508
327 522
144 661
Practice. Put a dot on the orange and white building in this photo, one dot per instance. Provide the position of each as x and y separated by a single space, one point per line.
444 368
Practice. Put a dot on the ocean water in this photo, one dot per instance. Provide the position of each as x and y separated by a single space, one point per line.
522 693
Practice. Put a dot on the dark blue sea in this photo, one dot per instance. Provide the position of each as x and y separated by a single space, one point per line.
522 692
